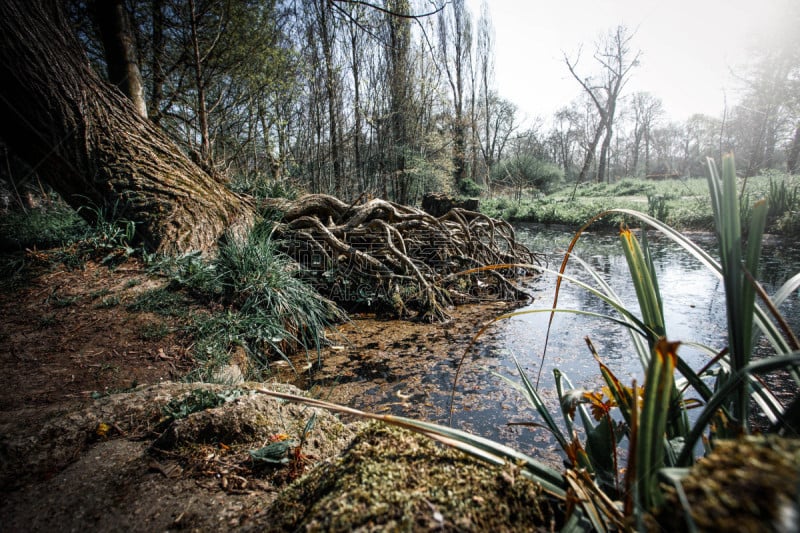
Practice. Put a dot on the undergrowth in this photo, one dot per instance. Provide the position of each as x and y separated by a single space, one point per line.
682 203
257 302
249 295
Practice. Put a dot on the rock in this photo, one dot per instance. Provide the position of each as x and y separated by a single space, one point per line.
30 451
96 468
235 371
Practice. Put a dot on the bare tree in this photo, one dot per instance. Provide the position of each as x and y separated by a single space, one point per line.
646 110
455 43
158 77
485 60
563 138
613 54
399 80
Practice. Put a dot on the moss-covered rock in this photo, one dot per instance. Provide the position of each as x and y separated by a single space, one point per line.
391 479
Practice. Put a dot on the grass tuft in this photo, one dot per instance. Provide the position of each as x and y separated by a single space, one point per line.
266 308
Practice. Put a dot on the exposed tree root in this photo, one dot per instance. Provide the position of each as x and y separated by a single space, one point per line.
398 259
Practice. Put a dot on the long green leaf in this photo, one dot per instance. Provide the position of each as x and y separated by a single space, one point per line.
644 282
653 421
722 395
786 290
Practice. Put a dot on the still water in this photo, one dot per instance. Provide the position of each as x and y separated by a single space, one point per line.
694 310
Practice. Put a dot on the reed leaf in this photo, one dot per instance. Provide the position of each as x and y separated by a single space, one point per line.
658 389
723 394
644 282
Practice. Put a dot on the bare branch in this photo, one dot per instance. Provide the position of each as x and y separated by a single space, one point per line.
389 12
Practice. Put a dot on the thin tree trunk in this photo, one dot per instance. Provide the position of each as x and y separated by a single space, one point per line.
794 153
399 42
602 162
202 110
158 78
89 143
590 151
120 50
331 97
359 170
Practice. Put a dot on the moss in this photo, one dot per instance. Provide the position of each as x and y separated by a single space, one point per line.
391 479
743 485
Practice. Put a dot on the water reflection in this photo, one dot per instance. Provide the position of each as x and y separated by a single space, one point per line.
694 308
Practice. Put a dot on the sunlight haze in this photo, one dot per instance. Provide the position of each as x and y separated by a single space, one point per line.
688 49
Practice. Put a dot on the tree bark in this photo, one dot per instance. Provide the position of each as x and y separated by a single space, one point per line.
89 143
399 79
120 50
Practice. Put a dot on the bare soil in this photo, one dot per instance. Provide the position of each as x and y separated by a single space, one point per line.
76 455
66 335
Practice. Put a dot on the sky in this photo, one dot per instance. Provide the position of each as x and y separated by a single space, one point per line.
688 49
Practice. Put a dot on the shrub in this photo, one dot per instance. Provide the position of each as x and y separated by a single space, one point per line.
470 188
526 171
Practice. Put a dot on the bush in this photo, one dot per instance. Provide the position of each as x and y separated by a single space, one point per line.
526 171
470 188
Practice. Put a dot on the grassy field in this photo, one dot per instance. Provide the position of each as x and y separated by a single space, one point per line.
682 203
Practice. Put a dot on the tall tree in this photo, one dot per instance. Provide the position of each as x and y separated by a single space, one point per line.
485 60
326 32
119 44
455 43
563 137
157 55
646 110
768 117
91 144
198 59
399 79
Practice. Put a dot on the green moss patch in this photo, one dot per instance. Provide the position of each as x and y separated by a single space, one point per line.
391 479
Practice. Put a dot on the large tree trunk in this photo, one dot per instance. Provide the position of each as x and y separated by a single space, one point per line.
88 142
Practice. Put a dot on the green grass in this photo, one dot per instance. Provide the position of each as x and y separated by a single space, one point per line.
51 225
154 331
162 301
67 237
108 303
684 204
261 304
